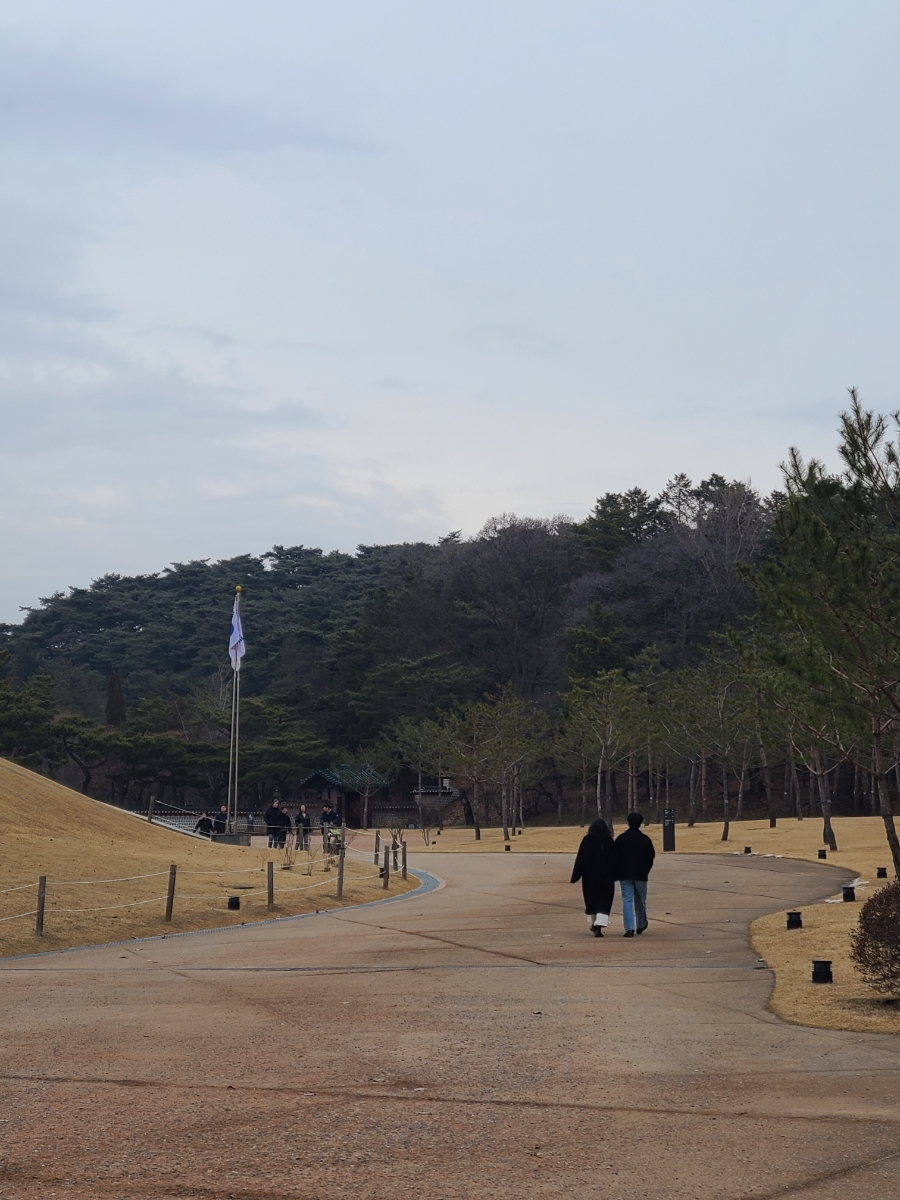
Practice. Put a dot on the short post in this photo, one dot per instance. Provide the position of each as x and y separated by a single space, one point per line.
668 829
773 822
821 970
823 854
340 884
881 872
403 868
795 920
170 894
386 873
377 845
477 832
849 893
748 849
42 897
150 808
270 885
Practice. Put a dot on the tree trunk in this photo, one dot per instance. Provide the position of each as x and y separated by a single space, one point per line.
797 797
825 803
726 825
692 800
786 790
739 812
884 797
599 788
704 791
583 790
767 778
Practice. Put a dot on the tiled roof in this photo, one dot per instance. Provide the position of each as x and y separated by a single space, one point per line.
347 778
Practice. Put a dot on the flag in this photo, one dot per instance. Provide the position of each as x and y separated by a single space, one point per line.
236 644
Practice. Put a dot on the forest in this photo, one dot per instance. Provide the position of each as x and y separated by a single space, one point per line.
708 648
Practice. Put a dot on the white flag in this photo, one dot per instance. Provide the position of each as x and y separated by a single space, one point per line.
236 644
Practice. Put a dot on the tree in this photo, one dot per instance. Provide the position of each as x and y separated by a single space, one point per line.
830 602
115 701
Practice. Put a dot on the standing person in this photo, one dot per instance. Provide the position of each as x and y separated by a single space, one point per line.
220 820
204 825
634 859
303 822
328 816
595 866
276 825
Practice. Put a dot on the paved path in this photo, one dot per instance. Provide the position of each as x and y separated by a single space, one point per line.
473 1042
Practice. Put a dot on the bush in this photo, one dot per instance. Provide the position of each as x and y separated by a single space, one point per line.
876 941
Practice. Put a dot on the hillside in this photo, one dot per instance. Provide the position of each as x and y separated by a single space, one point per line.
49 830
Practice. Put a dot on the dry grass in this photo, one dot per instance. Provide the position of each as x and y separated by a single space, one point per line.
848 1003
50 830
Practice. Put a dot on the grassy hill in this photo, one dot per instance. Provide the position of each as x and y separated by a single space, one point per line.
107 872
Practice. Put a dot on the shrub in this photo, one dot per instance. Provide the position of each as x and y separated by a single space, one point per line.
876 941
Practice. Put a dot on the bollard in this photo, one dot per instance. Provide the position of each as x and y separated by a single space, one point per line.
377 845
507 847
773 822
881 872
386 872
270 886
340 883
748 849
849 892
234 902
822 970
41 901
823 854
668 829
795 920
403 868
170 893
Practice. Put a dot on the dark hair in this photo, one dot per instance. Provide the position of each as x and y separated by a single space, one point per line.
635 820
600 829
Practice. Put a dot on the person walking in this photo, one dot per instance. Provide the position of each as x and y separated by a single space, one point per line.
220 821
595 866
303 823
204 825
277 824
634 861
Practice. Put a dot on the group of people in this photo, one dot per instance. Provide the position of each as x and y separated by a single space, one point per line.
277 821
278 824
602 862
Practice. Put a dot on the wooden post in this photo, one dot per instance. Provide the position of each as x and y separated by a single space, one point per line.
270 885
170 895
42 897
377 844
340 885
150 807
387 868
395 850
403 869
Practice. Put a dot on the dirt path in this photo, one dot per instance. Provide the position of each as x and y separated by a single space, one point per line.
472 1042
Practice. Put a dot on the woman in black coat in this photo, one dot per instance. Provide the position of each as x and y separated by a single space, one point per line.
595 866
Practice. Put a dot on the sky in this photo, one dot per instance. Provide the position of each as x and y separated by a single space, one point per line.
363 271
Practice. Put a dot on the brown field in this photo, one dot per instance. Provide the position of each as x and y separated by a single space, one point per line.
848 1003
78 843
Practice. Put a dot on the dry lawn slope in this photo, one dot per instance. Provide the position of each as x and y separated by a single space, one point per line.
107 873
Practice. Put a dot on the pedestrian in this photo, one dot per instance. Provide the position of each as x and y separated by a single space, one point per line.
204 825
303 822
328 816
277 825
220 821
634 859
595 866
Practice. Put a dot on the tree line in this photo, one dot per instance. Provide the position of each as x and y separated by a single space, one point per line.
708 643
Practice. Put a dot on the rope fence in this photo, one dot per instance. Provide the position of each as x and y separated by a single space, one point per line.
336 850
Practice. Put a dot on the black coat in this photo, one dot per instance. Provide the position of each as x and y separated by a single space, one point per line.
634 855
303 820
595 866
276 819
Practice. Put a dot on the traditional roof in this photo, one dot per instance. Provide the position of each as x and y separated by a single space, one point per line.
347 778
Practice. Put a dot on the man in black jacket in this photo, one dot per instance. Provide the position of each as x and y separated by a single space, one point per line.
634 859
277 825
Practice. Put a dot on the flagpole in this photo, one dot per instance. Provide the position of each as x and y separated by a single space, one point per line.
231 799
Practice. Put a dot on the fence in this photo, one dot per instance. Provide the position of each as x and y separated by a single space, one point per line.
53 896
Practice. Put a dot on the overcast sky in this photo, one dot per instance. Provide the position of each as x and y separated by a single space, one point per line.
343 272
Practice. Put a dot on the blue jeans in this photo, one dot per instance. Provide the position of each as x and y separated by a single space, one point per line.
634 903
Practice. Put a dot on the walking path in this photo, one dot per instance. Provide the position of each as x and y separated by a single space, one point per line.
472 1042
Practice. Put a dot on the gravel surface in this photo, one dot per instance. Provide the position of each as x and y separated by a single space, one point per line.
472 1042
